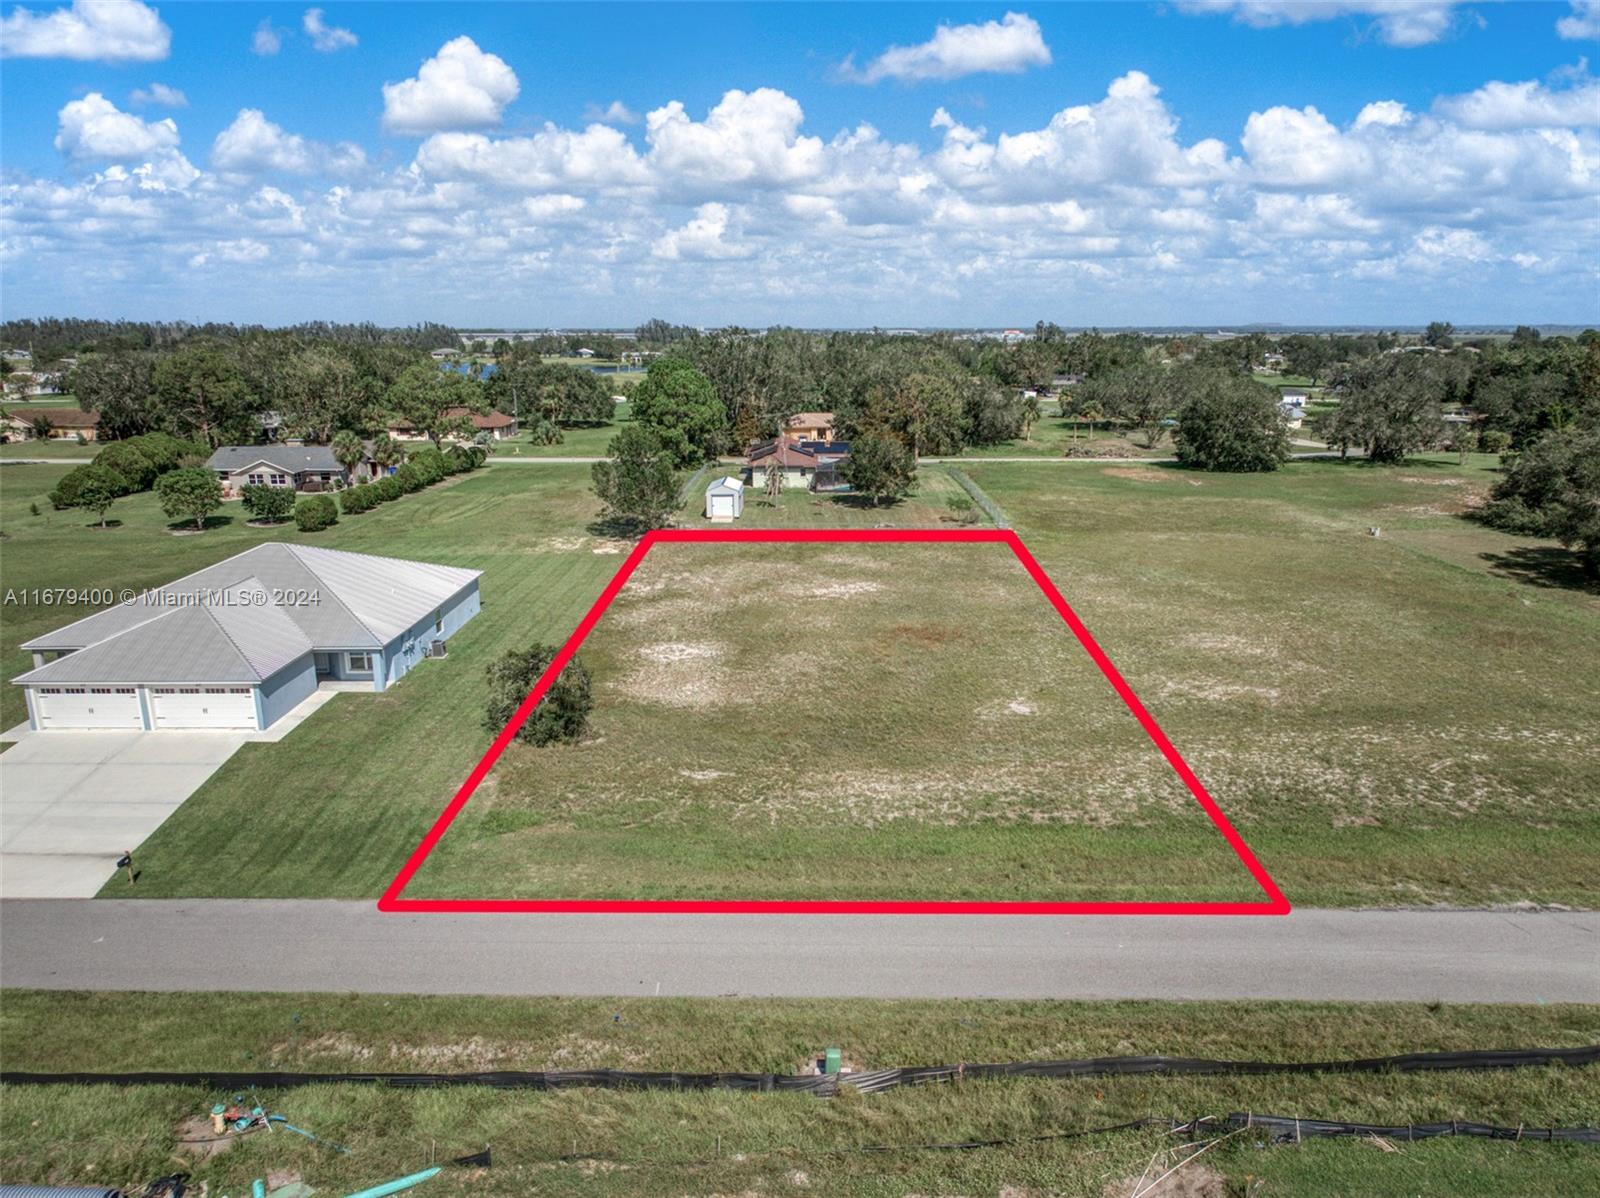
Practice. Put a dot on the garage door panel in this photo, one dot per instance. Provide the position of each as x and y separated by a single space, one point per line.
203 707
87 707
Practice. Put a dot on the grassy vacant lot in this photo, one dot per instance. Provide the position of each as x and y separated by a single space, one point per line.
841 722
588 442
720 1142
1401 720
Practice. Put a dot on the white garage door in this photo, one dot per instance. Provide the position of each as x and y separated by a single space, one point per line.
722 506
87 707
203 707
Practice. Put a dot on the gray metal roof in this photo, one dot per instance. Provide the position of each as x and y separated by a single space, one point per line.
291 459
234 636
351 601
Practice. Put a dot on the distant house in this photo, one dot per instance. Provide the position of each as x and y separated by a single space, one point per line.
66 424
809 426
498 425
586 353
725 500
301 467
1298 396
439 355
1293 416
803 463
797 463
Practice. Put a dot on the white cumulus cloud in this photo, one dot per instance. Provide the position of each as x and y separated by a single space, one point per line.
1403 23
705 237
1582 24
1526 105
161 94
324 37
461 87
252 145
90 30
1007 47
749 137
93 128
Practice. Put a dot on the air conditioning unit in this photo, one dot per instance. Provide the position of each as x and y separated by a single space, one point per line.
436 649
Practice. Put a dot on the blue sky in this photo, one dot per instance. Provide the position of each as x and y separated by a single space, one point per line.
1198 161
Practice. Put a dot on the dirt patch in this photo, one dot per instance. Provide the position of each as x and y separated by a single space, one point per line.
1198 1181
1433 482
926 633
1002 708
198 1142
837 590
676 651
704 775
1138 474
1220 692
612 547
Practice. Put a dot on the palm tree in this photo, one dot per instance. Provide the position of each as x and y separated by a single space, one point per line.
386 452
347 451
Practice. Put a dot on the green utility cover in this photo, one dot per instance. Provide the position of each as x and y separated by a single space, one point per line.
832 1060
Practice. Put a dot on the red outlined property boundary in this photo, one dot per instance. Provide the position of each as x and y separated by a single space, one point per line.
1274 904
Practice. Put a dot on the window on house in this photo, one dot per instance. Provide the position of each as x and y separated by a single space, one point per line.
256 480
360 663
280 480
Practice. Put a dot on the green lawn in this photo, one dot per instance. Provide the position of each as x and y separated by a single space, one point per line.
46 449
587 442
667 1143
1400 720
1053 436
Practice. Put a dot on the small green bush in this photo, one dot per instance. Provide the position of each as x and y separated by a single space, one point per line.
128 460
67 491
266 503
409 478
355 500
388 488
316 513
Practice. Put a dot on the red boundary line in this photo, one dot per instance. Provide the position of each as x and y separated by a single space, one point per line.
1274 904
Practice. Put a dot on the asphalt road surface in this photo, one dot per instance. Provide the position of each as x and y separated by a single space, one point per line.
324 945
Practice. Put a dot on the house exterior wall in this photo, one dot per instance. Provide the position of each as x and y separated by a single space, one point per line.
411 646
285 690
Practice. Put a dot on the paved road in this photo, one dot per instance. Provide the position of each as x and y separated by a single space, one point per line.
1465 956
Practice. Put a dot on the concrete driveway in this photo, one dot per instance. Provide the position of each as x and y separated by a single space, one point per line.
71 803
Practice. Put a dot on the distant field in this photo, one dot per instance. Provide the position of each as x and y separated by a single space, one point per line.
576 442
717 1142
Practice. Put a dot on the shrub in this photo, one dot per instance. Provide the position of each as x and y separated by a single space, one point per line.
563 712
388 488
316 513
1494 441
429 465
409 478
545 433
128 460
360 499
69 489
98 489
268 503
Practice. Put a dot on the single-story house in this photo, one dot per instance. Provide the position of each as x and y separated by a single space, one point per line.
725 500
66 424
297 465
498 425
1293 414
241 643
809 426
797 463
1298 396
586 353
